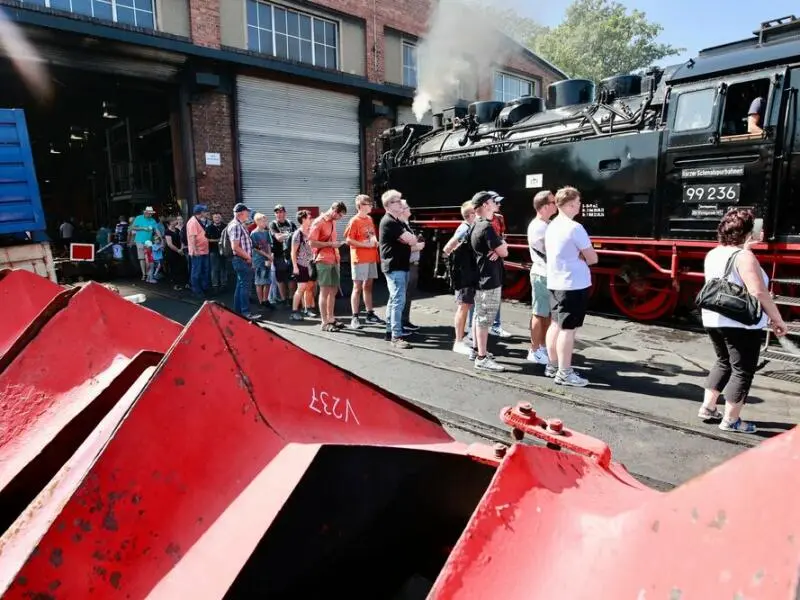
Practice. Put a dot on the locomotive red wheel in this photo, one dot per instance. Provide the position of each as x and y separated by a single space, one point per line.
517 284
640 297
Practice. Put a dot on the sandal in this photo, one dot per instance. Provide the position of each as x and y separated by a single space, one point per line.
328 327
709 415
738 426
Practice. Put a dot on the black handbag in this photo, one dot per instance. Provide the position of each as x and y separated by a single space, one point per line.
729 299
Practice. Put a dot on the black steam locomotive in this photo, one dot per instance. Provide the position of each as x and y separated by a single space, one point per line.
658 159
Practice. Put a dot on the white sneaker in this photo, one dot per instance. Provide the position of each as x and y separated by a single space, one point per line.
355 323
488 364
550 370
462 348
571 379
500 332
538 356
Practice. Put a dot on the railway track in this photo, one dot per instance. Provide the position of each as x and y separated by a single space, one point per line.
484 429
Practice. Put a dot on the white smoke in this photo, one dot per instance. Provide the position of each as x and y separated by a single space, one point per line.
462 45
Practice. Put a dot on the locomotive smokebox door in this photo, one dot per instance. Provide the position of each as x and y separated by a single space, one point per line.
715 157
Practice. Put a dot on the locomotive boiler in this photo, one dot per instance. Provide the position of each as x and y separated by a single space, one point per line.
658 158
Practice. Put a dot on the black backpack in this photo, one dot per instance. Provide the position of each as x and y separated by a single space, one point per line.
462 265
225 248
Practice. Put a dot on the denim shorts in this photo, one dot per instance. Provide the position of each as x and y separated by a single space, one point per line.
540 296
263 276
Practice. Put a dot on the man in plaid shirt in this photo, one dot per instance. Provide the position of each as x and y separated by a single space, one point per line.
242 261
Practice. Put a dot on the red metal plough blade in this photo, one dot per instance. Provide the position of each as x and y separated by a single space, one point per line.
65 379
250 468
563 525
28 300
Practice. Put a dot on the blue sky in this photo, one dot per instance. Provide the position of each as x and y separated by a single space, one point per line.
690 24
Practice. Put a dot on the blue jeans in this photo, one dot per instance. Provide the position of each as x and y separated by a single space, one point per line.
201 265
472 310
397 282
244 281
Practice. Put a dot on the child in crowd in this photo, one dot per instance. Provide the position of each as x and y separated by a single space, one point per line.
154 273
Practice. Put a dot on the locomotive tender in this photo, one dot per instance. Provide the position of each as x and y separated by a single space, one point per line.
658 159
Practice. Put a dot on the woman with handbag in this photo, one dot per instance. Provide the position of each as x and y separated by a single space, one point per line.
302 263
735 303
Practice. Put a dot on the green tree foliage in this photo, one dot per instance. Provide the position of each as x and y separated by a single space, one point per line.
597 39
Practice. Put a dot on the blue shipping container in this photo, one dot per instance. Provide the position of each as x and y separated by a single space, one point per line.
20 202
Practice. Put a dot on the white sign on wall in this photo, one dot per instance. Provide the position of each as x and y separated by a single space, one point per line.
533 181
213 159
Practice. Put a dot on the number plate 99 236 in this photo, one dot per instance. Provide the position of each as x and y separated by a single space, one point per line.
712 192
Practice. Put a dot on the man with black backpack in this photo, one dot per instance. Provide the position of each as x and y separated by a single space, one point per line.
463 274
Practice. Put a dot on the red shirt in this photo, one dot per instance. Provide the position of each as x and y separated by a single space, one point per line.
499 224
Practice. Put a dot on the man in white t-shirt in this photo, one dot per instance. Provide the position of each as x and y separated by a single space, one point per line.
569 253
544 203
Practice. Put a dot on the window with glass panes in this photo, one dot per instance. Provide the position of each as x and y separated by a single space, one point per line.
409 64
507 87
139 13
290 34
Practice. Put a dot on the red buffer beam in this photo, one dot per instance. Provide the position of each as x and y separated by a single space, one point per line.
554 524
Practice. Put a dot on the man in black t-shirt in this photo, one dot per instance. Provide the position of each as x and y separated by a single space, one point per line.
219 270
282 230
490 250
396 245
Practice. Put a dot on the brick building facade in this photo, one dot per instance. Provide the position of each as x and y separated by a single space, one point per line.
238 62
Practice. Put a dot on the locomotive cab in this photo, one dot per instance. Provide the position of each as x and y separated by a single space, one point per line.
717 155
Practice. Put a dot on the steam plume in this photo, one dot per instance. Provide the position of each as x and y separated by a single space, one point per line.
462 45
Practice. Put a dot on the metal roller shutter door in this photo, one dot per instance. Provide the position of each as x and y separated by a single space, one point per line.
406 116
298 146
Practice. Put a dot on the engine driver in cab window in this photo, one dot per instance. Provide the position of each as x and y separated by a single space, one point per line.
745 107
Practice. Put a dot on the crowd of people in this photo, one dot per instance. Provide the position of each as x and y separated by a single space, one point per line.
286 262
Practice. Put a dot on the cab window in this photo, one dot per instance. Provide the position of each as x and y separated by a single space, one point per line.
694 110
739 100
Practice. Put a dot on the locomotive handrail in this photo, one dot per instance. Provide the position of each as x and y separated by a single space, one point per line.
631 253
790 117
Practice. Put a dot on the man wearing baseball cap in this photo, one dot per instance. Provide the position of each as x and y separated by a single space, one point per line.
281 230
489 249
242 261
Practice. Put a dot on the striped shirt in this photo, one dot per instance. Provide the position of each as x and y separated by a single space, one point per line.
238 233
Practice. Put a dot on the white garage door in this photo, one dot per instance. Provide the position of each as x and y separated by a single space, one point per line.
406 116
298 146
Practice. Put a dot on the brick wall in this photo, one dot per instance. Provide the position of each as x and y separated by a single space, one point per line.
409 16
211 132
377 127
204 20
211 117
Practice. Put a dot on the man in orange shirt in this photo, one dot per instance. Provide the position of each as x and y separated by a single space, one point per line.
360 236
322 239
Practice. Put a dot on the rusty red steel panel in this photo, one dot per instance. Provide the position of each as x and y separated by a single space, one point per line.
554 524
177 501
28 300
63 382
16 543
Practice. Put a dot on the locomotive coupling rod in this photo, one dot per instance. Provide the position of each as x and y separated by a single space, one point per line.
523 420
